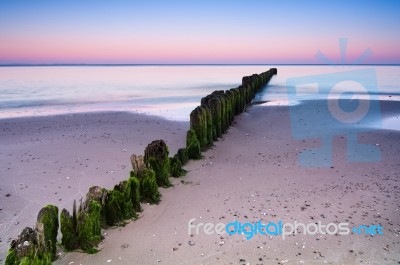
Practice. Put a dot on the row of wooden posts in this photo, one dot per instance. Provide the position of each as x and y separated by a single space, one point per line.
102 208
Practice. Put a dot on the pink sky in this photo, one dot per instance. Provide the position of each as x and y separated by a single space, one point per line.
62 32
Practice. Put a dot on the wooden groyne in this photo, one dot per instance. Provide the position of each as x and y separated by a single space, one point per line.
103 208
216 113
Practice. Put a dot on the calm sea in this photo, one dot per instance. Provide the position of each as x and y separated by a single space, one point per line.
168 91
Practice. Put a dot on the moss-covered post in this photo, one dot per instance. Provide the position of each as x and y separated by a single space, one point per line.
48 216
221 110
198 123
228 110
254 87
99 194
215 108
12 258
231 98
156 157
247 89
119 205
193 145
182 155
89 226
176 167
135 192
148 187
29 248
224 114
68 228
210 133
241 98
236 94
204 128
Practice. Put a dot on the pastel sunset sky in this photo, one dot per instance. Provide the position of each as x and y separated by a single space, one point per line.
196 32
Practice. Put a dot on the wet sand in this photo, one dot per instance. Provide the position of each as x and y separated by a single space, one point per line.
253 174
54 160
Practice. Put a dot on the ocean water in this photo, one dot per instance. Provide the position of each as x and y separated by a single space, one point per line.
168 91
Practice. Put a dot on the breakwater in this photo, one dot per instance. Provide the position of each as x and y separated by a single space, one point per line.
102 208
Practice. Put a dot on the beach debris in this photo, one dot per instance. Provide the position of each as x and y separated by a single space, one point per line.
174 249
186 182
124 245
191 243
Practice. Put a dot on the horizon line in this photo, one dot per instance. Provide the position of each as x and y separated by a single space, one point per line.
184 64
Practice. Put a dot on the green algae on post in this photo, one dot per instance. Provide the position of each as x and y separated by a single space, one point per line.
48 216
156 157
193 145
176 167
135 192
148 187
29 248
119 206
182 155
89 226
100 195
68 226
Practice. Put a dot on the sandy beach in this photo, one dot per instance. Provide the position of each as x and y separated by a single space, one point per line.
55 159
199 132
253 174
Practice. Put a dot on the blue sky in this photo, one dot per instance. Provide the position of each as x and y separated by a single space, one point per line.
88 31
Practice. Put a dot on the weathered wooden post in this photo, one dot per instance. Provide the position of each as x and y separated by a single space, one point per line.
156 157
